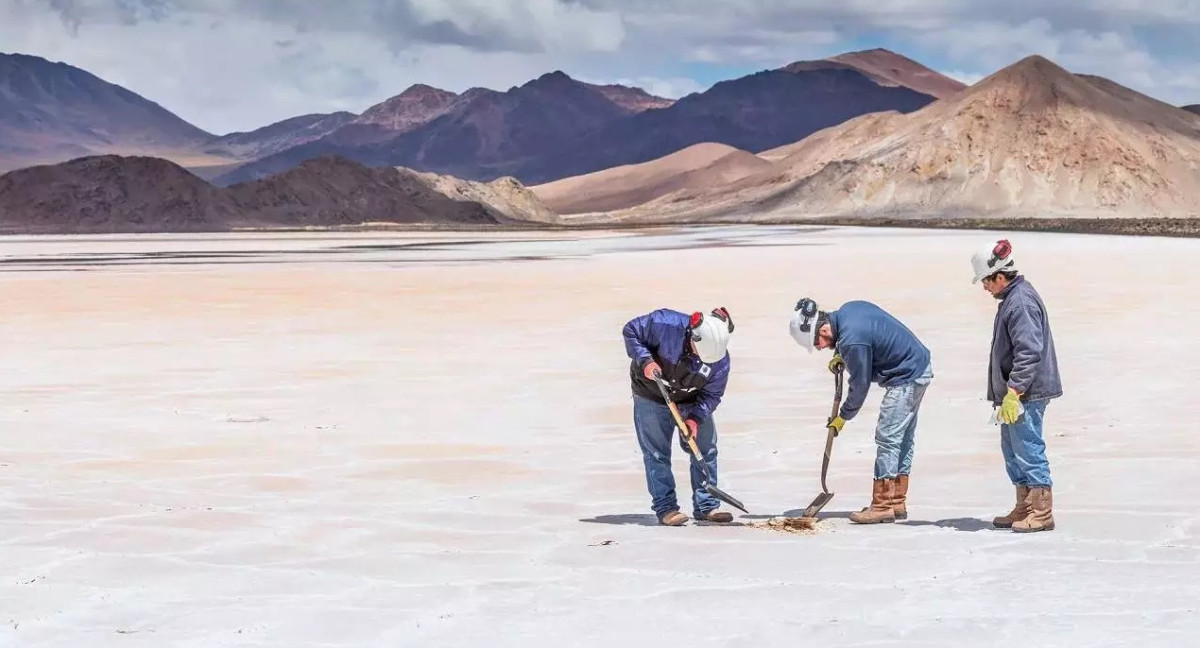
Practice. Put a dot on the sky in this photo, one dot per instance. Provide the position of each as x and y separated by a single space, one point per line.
235 65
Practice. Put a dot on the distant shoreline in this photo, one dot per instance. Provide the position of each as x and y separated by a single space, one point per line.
1165 227
1173 227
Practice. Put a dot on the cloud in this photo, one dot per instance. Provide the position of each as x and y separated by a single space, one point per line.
670 88
969 78
238 64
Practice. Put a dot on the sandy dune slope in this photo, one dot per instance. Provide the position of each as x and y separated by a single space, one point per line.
686 170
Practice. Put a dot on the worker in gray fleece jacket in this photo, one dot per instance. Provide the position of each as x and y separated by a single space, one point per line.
876 348
1022 379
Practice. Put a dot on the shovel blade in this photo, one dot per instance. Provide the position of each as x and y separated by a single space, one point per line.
818 503
725 497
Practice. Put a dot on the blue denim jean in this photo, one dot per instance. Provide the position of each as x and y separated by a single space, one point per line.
895 433
1024 448
655 426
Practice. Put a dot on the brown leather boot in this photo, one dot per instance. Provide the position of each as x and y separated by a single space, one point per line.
720 517
1020 510
1041 517
673 518
899 507
880 509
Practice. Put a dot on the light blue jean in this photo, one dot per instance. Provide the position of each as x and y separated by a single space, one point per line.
897 427
655 426
1024 448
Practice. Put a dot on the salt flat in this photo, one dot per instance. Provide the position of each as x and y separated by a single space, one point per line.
426 440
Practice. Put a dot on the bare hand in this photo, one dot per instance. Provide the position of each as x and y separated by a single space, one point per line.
693 427
650 369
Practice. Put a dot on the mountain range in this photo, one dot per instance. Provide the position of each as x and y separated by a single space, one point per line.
1032 139
550 127
555 126
868 134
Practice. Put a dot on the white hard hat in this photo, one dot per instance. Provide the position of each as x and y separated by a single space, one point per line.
804 324
993 258
711 334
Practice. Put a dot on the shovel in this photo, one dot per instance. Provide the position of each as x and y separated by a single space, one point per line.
709 486
824 496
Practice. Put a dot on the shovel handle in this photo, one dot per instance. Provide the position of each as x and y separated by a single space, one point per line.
683 428
837 396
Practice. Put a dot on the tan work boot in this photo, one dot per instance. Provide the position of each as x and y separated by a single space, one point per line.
1040 518
717 516
899 506
1020 510
880 509
673 518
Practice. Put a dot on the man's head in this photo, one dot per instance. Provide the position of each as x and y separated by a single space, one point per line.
810 326
994 266
709 334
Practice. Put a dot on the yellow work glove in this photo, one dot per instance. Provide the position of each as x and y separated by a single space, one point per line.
1010 408
836 423
836 364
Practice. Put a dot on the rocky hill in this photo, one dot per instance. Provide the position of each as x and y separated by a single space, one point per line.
334 191
508 198
102 194
111 193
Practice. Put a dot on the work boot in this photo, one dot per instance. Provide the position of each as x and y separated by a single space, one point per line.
880 509
1040 517
1020 510
716 516
899 507
673 518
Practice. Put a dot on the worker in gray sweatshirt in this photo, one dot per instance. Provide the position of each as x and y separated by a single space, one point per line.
875 348
1022 379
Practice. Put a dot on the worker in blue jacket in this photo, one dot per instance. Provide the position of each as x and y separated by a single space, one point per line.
874 347
690 354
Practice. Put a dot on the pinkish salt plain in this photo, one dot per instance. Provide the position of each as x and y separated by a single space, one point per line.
426 440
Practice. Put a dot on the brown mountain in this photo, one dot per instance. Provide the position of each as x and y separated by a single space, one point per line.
112 193
336 191
51 112
888 68
419 104
634 100
628 185
278 136
508 198
481 134
1029 140
1193 108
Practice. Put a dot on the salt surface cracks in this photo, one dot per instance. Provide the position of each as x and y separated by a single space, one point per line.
426 440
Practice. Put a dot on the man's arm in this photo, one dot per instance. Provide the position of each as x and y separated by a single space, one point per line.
858 360
1025 331
642 336
710 396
